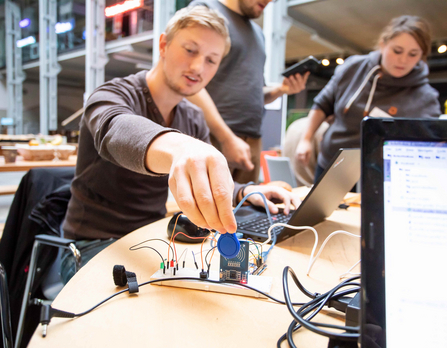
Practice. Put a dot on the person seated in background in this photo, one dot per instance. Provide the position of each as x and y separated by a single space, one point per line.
138 135
389 82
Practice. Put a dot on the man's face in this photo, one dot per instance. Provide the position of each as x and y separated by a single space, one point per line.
253 8
191 59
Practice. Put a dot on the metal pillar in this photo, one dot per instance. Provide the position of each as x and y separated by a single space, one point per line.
95 53
14 73
49 68
66 16
163 11
275 30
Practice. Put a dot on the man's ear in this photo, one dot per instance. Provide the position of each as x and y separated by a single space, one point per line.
162 44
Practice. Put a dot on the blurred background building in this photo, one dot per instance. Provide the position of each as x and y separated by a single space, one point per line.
53 53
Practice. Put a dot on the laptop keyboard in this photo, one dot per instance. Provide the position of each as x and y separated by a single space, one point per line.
262 225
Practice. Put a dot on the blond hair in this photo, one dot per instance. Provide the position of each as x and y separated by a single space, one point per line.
416 26
201 16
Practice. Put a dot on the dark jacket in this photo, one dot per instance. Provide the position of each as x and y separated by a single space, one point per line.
38 207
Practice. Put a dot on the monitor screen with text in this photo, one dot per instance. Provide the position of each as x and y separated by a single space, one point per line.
415 241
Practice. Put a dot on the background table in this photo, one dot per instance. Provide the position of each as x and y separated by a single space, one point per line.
21 165
161 316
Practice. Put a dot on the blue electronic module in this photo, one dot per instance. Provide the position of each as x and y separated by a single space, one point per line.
235 269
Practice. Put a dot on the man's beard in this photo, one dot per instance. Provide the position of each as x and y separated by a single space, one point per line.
248 11
175 88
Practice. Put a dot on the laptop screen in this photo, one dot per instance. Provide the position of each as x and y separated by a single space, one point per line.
415 243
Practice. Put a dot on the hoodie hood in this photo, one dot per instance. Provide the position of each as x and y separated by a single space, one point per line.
417 77
358 87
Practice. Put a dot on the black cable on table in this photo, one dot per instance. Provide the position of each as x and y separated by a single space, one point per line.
311 308
320 301
182 278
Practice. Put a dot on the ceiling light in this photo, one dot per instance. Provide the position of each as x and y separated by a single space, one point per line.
442 49
24 23
26 41
123 7
325 62
340 61
63 27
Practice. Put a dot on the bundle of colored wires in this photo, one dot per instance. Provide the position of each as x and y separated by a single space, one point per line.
139 246
175 234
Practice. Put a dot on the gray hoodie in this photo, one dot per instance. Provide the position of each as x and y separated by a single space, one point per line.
357 87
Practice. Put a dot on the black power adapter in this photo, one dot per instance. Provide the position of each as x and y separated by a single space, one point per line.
353 311
351 307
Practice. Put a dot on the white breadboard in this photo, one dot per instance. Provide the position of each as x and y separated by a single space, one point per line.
260 283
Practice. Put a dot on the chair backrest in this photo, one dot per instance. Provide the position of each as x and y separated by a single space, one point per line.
18 237
280 170
264 166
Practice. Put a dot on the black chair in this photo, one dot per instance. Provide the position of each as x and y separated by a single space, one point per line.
31 231
5 313
41 240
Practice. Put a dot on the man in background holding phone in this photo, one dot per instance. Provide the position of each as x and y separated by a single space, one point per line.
233 102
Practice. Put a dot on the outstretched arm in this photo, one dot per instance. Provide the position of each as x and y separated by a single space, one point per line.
199 179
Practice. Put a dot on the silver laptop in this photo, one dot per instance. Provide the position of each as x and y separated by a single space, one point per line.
325 196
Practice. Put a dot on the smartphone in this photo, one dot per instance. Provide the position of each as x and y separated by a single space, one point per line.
308 64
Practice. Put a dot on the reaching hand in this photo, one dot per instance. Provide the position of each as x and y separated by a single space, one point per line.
202 185
272 193
238 154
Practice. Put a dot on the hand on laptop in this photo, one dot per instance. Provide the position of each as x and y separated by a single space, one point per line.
274 195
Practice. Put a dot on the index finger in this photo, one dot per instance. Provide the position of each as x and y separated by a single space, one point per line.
296 201
305 77
222 191
286 201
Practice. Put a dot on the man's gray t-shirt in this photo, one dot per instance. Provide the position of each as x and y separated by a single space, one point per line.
236 89
113 193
